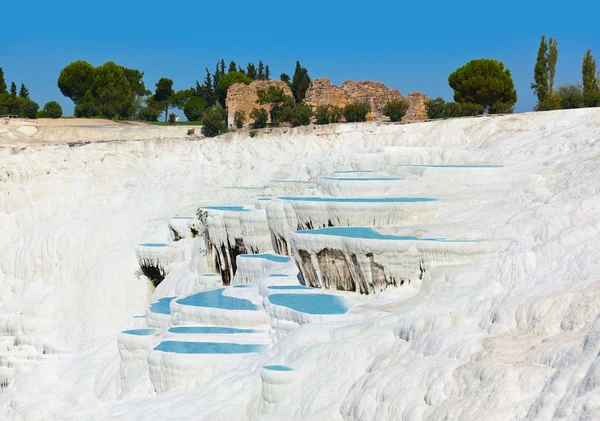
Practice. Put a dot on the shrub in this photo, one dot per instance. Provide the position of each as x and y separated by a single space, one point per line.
435 108
395 110
571 96
191 132
28 109
239 118
485 82
438 108
505 108
326 114
172 118
148 114
356 112
301 115
194 108
53 109
86 110
213 123
260 117
252 133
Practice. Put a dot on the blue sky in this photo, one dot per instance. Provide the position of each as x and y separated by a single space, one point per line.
408 46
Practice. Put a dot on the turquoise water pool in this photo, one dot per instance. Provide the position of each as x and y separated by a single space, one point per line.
140 332
272 257
277 275
210 330
215 299
311 303
227 208
362 179
162 306
358 199
284 287
139 317
241 286
207 347
265 198
154 245
370 234
278 367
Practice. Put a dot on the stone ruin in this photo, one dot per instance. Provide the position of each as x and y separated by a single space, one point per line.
242 97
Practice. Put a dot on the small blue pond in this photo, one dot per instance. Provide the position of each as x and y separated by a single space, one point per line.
241 286
276 275
207 347
358 199
370 234
278 368
287 287
449 166
162 306
265 198
182 217
227 208
140 332
272 257
154 245
210 330
215 299
362 179
311 303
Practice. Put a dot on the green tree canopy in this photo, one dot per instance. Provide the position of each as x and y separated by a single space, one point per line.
591 90
356 111
485 82
24 92
571 96
53 109
300 82
112 92
13 89
226 81
76 79
395 110
194 108
2 81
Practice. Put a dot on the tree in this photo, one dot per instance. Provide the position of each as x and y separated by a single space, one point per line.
53 109
357 111
28 109
194 108
438 108
281 105
112 93
2 82
226 81
148 113
591 91
300 82
251 71
267 73
136 83
206 90
163 95
485 82
395 110
260 117
327 113
301 114
261 70
540 73
24 92
232 67
285 78
239 118
571 96
76 79
213 123
552 59
13 90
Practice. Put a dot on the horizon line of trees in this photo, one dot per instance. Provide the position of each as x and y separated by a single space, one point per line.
20 105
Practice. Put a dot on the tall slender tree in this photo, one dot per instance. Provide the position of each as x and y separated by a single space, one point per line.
300 82
591 94
552 59
540 73
232 67
2 81
267 73
13 89
24 92
261 70
251 71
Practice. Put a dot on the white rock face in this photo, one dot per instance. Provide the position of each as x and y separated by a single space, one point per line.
509 336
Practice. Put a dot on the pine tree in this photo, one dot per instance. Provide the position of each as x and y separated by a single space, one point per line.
222 67
591 91
552 59
13 89
300 82
232 67
540 73
24 92
261 70
251 71
267 73
2 81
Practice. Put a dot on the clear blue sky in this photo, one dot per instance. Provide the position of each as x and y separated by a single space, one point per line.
409 46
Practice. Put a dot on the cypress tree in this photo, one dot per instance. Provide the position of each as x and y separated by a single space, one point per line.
261 70
13 89
222 67
300 82
552 59
591 94
232 67
267 73
24 92
251 71
540 73
2 81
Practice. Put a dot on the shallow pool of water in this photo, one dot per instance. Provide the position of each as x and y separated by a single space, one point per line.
215 299
370 234
210 330
162 306
272 257
207 347
140 332
311 303
227 208
278 368
154 245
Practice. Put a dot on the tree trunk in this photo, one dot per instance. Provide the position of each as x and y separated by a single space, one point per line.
167 114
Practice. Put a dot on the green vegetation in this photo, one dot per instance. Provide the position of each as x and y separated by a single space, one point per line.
395 110
438 108
485 82
239 118
356 112
284 109
13 104
543 75
591 88
300 82
23 92
326 114
2 82
194 108
148 113
571 96
53 109
226 81
214 123
260 117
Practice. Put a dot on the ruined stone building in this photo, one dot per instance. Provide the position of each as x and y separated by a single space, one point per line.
241 97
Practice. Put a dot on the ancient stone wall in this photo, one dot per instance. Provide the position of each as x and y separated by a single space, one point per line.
416 106
241 97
